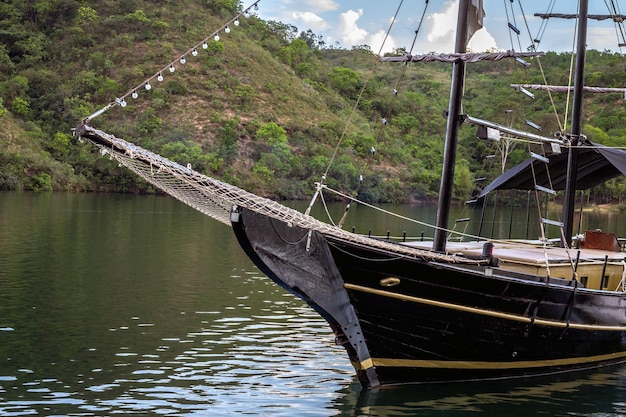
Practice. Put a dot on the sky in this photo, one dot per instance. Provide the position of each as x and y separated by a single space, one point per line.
346 23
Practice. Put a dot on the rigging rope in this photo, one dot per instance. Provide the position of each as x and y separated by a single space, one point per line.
387 117
562 128
384 119
619 27
361 92
543 26
568 90
536 41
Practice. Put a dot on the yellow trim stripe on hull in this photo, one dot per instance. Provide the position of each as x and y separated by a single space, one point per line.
481 365
480 311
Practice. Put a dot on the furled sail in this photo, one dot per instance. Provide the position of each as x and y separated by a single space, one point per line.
464 57
615 17
565 89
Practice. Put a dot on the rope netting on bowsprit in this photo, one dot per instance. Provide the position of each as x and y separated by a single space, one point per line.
216 198
210 196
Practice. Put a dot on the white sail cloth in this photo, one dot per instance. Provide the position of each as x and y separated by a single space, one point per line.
476 13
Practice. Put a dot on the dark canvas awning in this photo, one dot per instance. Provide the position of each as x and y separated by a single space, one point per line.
596 164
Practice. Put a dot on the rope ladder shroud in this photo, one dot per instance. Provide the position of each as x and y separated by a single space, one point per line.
216 198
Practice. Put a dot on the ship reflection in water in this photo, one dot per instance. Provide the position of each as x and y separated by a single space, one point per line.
593 392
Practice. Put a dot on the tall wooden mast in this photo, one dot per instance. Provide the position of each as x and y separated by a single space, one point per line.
576 128
452 130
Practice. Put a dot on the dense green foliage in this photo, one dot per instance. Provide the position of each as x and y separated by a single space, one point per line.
263 107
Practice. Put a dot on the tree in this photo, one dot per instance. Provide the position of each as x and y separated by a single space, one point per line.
228 150
272 134
86 15
6 65
346 81
295 53
283 30
463 180
20 107
224 6
311 39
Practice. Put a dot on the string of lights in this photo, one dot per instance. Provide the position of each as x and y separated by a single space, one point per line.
171 67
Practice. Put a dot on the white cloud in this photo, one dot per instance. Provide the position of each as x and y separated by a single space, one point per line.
376 42
349 30
321 5
310 20
601 38
441 28
351 34
318 6
482 41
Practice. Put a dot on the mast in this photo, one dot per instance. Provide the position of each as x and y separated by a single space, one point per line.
575 130
452 130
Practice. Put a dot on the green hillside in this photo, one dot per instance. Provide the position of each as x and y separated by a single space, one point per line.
263 108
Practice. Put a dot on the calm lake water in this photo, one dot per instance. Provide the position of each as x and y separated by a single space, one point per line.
139 305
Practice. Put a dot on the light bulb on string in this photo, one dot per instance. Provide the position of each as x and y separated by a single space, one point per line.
172 69
205 45
194 52
134 94
227 29
246 14
256 6
183 60
236 22
160 77
123 103
148 86
217 37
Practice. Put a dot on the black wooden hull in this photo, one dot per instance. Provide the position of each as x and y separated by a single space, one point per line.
406 320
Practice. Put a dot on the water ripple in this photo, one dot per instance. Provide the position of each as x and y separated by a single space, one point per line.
141 306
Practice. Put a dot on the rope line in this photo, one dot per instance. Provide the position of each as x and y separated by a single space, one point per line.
349 121
388 114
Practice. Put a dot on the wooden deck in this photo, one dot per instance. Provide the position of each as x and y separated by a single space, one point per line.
525 251
596 268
